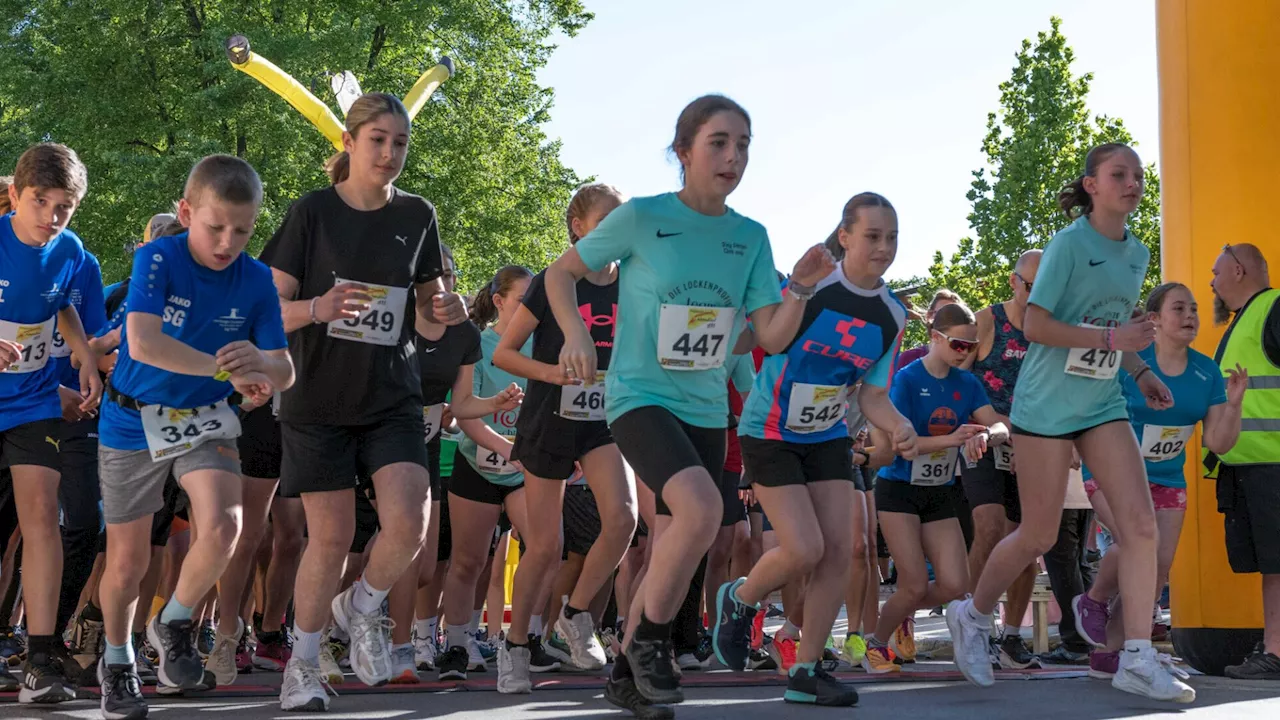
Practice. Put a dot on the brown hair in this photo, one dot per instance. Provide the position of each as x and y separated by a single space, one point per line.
952 316
365 109
229 179
586 199
52 166
483 309
1155 301
447 254
942 294
694 116
1072 198
5 182
850 217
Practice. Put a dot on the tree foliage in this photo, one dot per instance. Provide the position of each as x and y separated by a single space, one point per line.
1035 144
141 89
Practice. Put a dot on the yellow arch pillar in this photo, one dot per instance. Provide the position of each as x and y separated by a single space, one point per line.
1219 166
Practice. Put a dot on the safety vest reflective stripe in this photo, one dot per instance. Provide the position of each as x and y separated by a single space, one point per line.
1259 441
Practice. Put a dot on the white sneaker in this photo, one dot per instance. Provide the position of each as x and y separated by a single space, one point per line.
585 650
971 644
222 658
689 661
404 671
370 649
424 653
330 671
513 670
475 661
1152 675
302 688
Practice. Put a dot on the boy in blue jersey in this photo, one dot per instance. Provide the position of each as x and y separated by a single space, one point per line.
39 260
202 331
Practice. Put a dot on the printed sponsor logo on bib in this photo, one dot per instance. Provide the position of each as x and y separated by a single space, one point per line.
583 402
1004 457
173 432
431 418
36 340
491 461
1161 442
381 323
815 408
1092 363
694 338
935 468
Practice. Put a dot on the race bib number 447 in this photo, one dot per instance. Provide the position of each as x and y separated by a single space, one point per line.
694 338
381 323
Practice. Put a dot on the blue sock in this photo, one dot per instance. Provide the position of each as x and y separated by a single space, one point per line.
119 654
174 610
807 666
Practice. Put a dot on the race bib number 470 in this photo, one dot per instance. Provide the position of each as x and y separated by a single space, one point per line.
381 323
694 338
172 432
1092 363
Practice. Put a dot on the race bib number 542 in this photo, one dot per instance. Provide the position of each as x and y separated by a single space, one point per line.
694 338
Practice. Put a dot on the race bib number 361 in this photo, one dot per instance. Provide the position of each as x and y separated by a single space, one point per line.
36 340
381 323
172 432
936 468
1092 363
694 338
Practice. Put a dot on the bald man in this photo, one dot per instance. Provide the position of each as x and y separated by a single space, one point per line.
1249 474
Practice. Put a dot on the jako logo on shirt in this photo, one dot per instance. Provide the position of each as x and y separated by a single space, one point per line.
943 421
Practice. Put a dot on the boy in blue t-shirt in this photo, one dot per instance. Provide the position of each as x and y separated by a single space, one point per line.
203 330
39 260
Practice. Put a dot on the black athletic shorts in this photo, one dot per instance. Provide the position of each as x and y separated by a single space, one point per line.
581 520
259 444
930 504
985 484
735 511
433 467
317 458
79 492
366 518
1249 499
444 548
549 449
33 443
777 463
657 445
1073 435
469 484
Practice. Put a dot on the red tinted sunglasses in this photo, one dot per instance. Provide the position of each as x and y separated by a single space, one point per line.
958 344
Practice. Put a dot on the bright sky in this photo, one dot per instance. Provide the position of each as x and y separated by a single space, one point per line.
845 96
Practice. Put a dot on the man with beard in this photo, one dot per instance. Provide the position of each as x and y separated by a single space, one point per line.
1249 475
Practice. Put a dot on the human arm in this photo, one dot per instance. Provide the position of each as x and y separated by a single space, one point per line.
1222 423
776 325
465 405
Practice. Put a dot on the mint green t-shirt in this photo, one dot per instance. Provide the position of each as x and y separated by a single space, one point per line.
675 258
1084 278
486 381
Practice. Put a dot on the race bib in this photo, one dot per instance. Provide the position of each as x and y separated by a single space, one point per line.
583 402
694 338
275 405
172 432
936 468
431 418
381 323
1091 362
59 348
492 462
815 408
1004 457
37 344
1160 442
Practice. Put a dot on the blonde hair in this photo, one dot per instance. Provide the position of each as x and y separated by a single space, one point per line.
584 201
364 110
159 225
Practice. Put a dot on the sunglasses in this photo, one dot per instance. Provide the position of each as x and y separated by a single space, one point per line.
958 344
1025 283
1227 249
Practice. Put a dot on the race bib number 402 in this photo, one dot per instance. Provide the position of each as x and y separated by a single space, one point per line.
172 432
381 323
36 340
583 402
1160 443
815 408
694 338
1093 363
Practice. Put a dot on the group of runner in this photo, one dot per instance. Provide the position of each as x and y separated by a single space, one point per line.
328 371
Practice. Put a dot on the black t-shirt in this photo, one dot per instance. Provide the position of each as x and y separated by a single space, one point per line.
439 360
341 380
598 305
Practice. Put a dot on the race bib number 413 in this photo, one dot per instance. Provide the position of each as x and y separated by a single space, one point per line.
381 323
694 338
36 340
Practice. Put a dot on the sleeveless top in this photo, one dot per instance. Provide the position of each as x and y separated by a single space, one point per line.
998 371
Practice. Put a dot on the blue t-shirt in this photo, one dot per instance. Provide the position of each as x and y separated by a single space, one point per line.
204 309
117 313
488 380
1084 278
934 407
671 256
847 334
35 283
1198 388
86 297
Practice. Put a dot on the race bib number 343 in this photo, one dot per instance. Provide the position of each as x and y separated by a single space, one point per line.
694 338
172 432
1093 363
381 323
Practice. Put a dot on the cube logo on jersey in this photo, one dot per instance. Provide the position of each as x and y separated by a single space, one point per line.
844 338
943 421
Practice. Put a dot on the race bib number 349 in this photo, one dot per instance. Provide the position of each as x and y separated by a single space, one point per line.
694 338
381 323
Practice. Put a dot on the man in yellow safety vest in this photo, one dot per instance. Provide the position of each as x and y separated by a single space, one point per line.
1249 474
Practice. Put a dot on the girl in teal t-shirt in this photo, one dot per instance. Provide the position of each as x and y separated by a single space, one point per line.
1080 324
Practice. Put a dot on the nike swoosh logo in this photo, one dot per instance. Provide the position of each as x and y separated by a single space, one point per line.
1096 263
667 235
428 350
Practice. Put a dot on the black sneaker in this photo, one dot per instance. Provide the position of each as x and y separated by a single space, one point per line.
731 635
1261 665
1062 655
622 693
8 683
67 666
180 665
453 664
43 683
760 660
121 692
1014 654
816 687
539 660
206 638
654 671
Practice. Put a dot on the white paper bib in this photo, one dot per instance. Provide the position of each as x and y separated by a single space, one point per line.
172 432
694 338
381 323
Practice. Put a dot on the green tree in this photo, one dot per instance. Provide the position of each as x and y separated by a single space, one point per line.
142 89
1035 144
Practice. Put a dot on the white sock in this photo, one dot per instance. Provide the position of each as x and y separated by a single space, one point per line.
455 636
790 628
1011 631
976 617
535 625
475 621
306 645
367 599
1136 646
398 647
425 628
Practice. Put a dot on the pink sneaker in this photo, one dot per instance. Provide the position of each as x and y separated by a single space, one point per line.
273 651
244 658
1091 619
1103 665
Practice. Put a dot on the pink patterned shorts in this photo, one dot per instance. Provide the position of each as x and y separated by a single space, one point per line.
1164 497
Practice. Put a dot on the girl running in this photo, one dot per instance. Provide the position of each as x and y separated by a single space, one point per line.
918 500
796 445
688 266
1199 395
562 424
1079 323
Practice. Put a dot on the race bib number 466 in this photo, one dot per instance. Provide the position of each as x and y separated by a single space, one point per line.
36 340
1092 363
694 338
172 432
381 323
583 402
